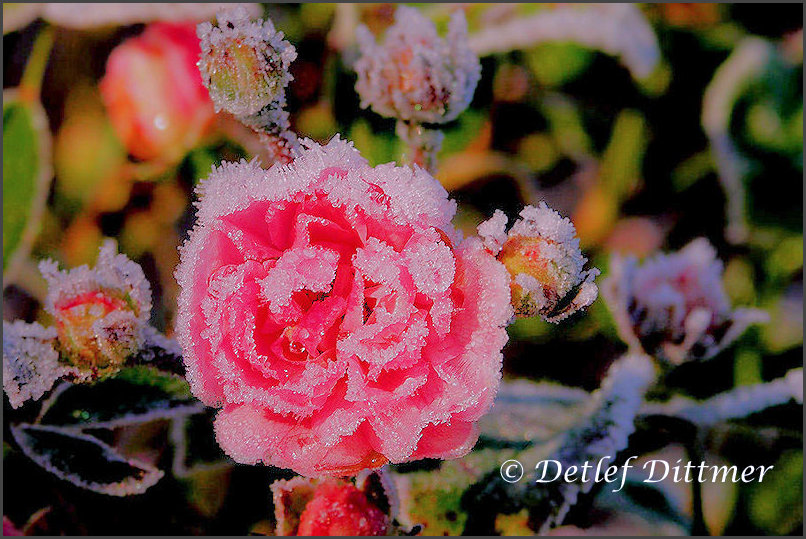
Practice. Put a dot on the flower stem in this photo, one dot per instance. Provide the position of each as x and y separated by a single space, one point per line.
31 82
423 144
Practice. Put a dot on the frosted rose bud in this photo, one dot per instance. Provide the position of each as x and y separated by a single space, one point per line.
334 313
329 507
674 305
541 252
244 64
154 95
100 314
414 75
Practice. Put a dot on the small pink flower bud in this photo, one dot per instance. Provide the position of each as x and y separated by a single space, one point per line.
244 64
541 252
414 75
100 314
154 95
674 305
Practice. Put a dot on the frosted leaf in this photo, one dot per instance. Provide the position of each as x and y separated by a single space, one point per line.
674 305
134 396
734 404
525 411
617 29
601 434
93 15
244 64
413 74
30 361
101 313
541 252
84 460
748 61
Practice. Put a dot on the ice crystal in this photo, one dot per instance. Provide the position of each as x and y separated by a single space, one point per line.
674 305
245 64
101 313
337 315
30 361
541 252
414 75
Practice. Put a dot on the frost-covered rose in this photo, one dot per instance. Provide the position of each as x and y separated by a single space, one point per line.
674 305
334 313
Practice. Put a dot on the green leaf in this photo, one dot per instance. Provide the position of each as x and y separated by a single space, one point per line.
134 395
27 173
554 64
83 460
776 504
622 160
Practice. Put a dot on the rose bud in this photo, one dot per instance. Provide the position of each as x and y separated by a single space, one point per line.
674 305
154 94
100 314
414 75
541 252
244 64
325 507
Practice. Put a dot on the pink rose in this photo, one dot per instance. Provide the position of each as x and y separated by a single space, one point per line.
336 315
154 93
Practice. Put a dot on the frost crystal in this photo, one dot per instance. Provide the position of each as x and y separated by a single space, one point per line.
101 314
245 64
30 361
541 252
674 305
336 315
414 75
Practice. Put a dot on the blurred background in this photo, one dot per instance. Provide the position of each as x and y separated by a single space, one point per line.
643 151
